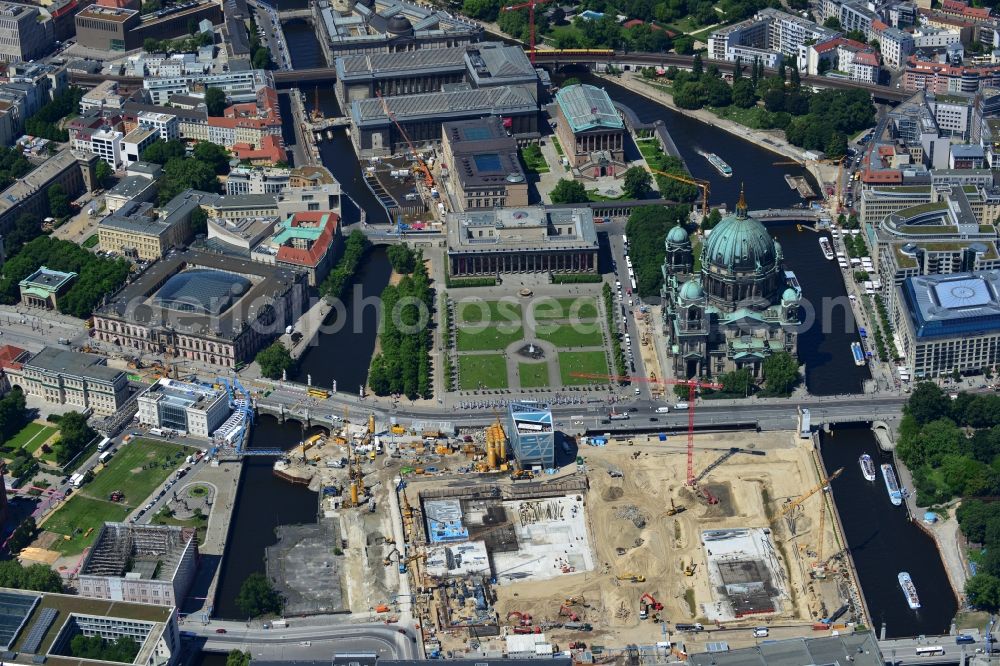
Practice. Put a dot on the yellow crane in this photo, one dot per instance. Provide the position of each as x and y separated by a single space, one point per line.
704 185
820 567
812 491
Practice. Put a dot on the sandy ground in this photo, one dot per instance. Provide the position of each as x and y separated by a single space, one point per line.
653 476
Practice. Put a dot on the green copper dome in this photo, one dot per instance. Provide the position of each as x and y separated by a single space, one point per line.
691 291
677 235
790 296
740 243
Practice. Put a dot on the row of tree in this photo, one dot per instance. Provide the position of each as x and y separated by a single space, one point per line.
36 577
13 415
13 165
339 279
403 366
123 649
647 230
45 122
97 276
187 44
199 171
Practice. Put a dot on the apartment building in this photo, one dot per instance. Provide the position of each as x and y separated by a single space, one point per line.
137 141
107 144
895 45
770 30
167 125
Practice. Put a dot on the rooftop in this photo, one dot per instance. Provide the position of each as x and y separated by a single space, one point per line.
380 65
860 649
487 101
529 228
315 229
114 14
186 395
959 304
131 186
47 280
138 551
588 107
77 364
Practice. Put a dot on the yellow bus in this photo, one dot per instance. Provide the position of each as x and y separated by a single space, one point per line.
319 393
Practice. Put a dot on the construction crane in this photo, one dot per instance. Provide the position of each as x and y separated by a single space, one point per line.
692 384
819 568
809 493
428 178
697 182
530 5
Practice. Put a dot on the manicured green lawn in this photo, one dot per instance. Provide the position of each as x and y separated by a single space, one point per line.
91 242
78 515
199 524
479 311
491 337
534 160
569 335
137 469
31 437
533 374
591 362
482 371
564 308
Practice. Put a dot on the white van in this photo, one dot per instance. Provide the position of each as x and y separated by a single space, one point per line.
662 410
681 405
760 632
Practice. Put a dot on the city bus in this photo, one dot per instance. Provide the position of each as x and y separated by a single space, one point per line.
930 651
319 393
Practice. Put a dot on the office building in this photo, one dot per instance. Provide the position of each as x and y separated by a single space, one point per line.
26 33
590 130
534 239
130 188
149 564
107 143
43 288
861 647
135 142
166 125
484 167
532 435
204 307
262 180
195 409
71 378
306 241
108 28
41 627
949 323
140 231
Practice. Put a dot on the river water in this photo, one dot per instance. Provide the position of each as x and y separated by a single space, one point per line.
884 541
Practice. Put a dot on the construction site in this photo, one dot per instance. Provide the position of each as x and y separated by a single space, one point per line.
644 541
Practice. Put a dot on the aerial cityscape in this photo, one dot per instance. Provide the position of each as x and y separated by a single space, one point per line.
360 332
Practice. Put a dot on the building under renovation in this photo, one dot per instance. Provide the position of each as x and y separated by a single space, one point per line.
151 564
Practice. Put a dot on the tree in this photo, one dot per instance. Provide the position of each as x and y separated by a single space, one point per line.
743 94
638 183
162 152
150 45
238 658
710 222
102 173
182 174
781 372
684 45
123 649
256 597
737 382
690 95
274 360
213 154
568 191
402 258
23 535
74 435
27 227
983 590
37 577
647 230
927 403
215 100
58 201
774 100
796 77
199 221
832 22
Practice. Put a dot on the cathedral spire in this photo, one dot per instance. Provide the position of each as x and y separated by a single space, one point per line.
741 205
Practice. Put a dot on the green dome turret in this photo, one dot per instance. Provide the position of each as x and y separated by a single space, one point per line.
691 291
740 243
790 296
677 235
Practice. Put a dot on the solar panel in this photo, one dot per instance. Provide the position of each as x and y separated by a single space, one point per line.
45 619
487 162
14 609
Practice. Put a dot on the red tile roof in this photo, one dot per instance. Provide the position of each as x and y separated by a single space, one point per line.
866 58
10 356
311 257
270 150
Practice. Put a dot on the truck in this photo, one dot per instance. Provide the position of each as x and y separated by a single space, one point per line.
76 480
697 626
104 457
618 416
158 432
279 624
104 444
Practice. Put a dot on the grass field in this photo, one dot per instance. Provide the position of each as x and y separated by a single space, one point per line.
564 308
592 362
91 242
533 374
477 310
137 469
568 335
77 516
199 524
31 437
490 337
482 371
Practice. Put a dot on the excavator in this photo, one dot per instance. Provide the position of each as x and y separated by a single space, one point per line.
647 603
690 569
566 611
675 508
632 578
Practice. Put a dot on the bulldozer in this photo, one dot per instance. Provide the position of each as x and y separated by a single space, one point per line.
521 474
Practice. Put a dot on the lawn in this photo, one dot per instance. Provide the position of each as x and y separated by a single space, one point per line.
570 335
479 311
477 371
91 242
137 469
78 515
533 374
533 159
31 437
199 524
592 362
751 117
565 308
490 337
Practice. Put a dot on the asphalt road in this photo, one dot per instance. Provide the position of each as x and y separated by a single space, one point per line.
313 638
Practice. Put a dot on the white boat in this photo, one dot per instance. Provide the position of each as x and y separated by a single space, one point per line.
892 485
867 467
909 590
824 243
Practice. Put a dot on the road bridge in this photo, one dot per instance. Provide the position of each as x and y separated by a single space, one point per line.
288 14
903 651
786 214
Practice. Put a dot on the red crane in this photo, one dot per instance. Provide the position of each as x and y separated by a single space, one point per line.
692 384
530 4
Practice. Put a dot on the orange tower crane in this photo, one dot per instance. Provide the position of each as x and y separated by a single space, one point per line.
692 385
428 178
530 4
704 185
